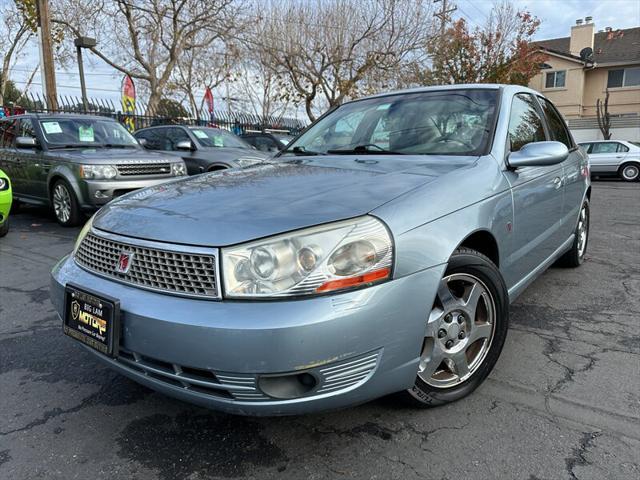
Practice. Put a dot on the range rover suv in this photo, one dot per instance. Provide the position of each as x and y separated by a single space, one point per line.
77 163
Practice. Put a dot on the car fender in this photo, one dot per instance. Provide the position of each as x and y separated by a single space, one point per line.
66 172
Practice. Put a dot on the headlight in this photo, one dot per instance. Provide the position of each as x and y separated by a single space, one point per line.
248 161
4 184
178 169
98 172
83 233
338 256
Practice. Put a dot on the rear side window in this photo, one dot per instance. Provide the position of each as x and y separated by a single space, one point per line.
557 128
525 123
587 147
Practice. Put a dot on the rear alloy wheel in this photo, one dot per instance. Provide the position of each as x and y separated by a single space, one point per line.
65 204
630 172
465 331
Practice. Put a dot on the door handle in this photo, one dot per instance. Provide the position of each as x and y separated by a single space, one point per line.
557 182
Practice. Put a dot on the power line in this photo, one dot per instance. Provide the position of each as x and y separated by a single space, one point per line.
64 72
477 9
97 89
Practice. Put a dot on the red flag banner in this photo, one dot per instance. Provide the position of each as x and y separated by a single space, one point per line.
208 98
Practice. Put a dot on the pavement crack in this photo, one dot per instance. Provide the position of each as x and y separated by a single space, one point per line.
579 453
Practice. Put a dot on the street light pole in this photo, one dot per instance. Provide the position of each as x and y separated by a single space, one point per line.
80 43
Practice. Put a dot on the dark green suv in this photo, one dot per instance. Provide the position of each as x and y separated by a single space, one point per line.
77 163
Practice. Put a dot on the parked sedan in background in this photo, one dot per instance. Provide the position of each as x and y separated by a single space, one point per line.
203 149
267 142
614 157
5 203
378 255
77 163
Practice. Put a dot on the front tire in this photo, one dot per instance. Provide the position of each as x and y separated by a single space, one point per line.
630 172
465 331
65 204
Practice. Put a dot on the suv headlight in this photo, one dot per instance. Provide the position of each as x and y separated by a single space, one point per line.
4 184
98 172
334 257
178 169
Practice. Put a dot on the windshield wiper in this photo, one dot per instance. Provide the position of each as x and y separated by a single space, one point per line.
114 145
68 145
366 149
301 151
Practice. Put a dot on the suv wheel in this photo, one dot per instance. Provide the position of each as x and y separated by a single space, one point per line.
65 204
630 172
465 331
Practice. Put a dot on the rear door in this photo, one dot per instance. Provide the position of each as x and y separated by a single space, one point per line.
537 193
8 158
605 157
574 166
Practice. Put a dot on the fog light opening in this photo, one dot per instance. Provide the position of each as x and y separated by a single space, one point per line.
288 386
102 194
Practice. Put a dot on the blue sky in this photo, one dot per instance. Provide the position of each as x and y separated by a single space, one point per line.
557 18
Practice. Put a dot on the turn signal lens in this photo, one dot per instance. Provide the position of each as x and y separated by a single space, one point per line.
355 281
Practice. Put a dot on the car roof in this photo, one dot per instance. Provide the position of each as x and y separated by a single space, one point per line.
53 116
511 89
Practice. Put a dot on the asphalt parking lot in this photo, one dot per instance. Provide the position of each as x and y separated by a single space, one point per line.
562 403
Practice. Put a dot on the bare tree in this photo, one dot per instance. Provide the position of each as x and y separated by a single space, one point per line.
147 39
16 29
331 50
603 116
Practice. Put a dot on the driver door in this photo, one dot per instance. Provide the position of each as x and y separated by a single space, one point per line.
537 192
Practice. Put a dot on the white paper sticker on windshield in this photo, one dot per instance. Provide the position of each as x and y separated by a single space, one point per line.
85 134
51 127
218 141
200 133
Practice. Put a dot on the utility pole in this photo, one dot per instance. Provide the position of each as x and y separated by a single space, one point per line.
46 55
443 15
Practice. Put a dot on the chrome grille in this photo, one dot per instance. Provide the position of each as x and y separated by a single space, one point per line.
128 169
179 273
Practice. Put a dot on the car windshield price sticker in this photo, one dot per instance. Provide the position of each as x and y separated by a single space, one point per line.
200 134
51 127
85 134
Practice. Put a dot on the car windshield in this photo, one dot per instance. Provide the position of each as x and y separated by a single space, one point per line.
216 137
85 132
446 122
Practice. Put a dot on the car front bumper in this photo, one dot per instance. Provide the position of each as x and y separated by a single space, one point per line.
96 193
358 345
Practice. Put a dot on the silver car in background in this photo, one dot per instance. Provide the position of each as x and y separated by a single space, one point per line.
614 157
379 255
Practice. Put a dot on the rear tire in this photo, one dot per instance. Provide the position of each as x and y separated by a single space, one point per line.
629 172
575 257
465 331
65 204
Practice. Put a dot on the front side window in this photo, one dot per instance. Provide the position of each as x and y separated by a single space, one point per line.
624 77
445 122
85 132
175 136
555 79
216 137
525 123
26 128
557 127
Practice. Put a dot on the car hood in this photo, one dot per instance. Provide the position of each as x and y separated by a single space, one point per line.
238 205
107 155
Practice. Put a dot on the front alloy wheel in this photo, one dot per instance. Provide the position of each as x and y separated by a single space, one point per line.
65 204
464 333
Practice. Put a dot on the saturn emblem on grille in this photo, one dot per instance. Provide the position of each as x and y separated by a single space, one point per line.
124 262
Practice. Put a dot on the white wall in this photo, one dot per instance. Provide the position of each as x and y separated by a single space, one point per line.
587 134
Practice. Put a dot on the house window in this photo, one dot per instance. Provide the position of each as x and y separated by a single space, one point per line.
555 79
624 77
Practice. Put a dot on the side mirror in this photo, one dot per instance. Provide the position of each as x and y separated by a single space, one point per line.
185 145
26 142
143 142
538 154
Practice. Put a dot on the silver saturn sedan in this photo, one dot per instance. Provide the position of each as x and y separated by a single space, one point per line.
378 256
